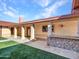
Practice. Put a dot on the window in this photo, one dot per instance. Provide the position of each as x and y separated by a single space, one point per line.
44 28
52 28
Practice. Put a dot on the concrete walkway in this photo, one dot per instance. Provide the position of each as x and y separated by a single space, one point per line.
43 46
4 40
19 40
62 52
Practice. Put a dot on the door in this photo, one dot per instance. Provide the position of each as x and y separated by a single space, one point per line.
12 31
28 31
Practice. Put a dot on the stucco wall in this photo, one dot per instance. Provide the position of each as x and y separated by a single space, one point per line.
69 28
6 32
38 30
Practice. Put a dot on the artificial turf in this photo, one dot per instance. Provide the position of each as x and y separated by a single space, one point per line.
7 44
21 51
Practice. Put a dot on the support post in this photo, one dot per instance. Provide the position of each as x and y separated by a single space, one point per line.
77 32
49 29
15 32
32 32
22 32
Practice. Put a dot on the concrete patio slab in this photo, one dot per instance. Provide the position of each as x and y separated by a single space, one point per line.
62 52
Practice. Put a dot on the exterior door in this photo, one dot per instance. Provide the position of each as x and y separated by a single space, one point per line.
28 31
12 31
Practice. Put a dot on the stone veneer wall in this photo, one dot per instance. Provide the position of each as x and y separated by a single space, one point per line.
65 43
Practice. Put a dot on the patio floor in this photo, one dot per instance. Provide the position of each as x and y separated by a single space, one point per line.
42 44
62 52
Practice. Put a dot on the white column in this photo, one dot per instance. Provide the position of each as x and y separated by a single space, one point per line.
32 32
77 32
49 29
15 32
22 33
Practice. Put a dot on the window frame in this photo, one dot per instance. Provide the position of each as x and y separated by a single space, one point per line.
44 28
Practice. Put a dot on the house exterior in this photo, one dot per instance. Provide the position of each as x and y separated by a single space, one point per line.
60 31
65 25
5 28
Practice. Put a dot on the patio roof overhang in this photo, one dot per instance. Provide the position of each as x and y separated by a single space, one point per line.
57 18
7 24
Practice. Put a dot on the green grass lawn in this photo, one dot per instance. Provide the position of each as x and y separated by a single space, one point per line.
21 51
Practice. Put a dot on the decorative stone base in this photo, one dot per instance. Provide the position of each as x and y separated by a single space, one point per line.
65 43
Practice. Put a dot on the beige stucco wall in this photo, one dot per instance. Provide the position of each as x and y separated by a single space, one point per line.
25 30
69 28
38 30
6 32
